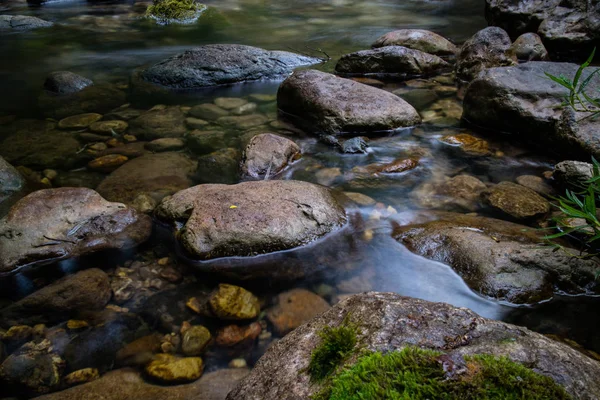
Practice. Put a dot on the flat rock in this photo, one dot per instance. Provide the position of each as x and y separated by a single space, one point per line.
294 308
129 384
108 127
165 144
268 154
220 64
159 123
56 224
157 175
486 49
325 103
167 368
516 200
85 291
100 98
251 218
521 100
461 192
418 39
80 121
65 82
22 23
390 60
499 259
389 322
232 302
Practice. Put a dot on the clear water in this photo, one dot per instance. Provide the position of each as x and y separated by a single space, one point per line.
106 41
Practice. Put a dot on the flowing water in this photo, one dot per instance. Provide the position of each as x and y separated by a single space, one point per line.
107 41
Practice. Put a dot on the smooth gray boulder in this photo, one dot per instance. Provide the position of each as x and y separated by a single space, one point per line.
266 155
56 224
418 39
251 218
324 103
488 48
390 60
22 23
65 82
389 322
219 64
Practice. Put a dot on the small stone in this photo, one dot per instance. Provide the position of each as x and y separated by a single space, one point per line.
80 121
140 351
195 340
238 363
51 174
233 302
165 144
97 147
262 98
39 331
469 144
107 163
209 112
397 166
360 199
229 103
248 108
196 123
355 145
327 176
536 183
114 142
75 324
241 337
516 200
81 376
163 261
122 288
195 305
17 334
109 127
129 138
170 343
171 275
166 368
46 182
369 81
293 308
144 203
243 122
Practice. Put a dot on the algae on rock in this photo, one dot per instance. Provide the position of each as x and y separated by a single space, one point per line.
175 11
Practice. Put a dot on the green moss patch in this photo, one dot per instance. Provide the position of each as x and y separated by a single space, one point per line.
336 345
168 11
416 374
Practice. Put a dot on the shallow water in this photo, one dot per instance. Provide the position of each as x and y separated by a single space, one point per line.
106 41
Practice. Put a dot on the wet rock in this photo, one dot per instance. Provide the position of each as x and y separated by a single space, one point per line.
159 123
354 145
81 178
515 200
396 166
166 368
204 142
65 82
268 154
11 181
109 127
234 303
418 98
157 175
573 174
196 123
33 369
220 166
208 112
129 384
195 340
294 308
165 144
536 184
107 163
80 121
262 98
238 338
220 64
129 150
247 108
92 99
140 351
418 39
523 101
84 291
251 217
390 60
486 49
56 224
518 18
81 376
499 259
461 192
388 322
22 23
243 122
325 103
470 145
529 47
229 103
361 199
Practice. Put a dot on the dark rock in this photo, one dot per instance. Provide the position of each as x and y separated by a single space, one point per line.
165 144
518 17
354 145
220 166
159 123
65 82
208 111
56 224
536 184
573 174
11 182
22 23
529 47
486 49
205 142
252 217
294 308
499 259
156 175
129 384
268 155
84 291
388 322
100 98
220 64
390 60
418 39
515 200
325 103
523 101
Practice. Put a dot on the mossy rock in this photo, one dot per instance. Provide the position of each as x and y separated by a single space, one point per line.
175 11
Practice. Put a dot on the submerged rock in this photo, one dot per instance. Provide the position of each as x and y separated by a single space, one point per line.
517 201
294 308
56 224
268 154
460 192
418 39
22 23
500 259
100 98
221 166
390 60
159 123
251 218
84 291
388 322
326 103
65 82
232 302
486 49
219 64
166 368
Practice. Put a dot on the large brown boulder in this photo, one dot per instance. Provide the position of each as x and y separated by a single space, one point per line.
57 224
500 259
389 322
325 103
251 218
418 39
